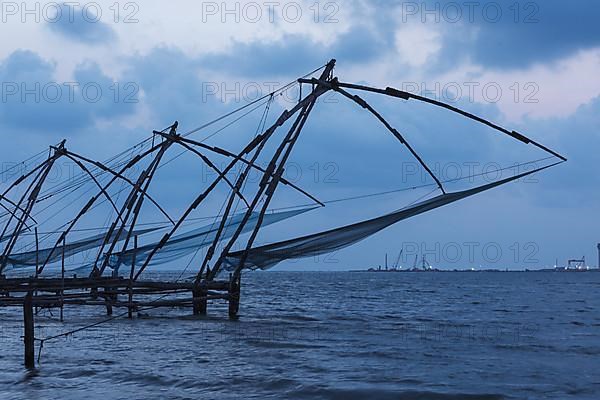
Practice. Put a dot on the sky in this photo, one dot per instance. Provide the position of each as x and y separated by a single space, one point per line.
104 74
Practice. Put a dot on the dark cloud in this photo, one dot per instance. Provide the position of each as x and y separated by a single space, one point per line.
81 25
546 30
34 101
173 87
365 157
506 35
575 183
500 35
298 53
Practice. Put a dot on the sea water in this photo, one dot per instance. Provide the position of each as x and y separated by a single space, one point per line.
338 335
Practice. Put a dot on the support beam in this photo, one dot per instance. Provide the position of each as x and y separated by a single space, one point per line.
335 85
117 174
62 291
223 152
108 298
29 334
200 300
179 140
234 296
131 272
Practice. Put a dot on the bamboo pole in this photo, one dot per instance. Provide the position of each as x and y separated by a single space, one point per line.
108 302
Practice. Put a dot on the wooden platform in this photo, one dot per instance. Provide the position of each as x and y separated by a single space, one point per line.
108 292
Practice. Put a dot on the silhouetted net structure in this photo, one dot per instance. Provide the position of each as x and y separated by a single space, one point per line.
119 185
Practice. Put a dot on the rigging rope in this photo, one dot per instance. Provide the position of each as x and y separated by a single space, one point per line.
77 183
280 90
332 201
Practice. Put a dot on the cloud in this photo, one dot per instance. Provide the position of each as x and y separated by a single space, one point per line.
297 53
33 100
512 34
343 151
81 25
542 31
416 44
576 183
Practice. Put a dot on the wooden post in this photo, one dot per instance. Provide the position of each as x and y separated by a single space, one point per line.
200 300
130 297
195 296
62 274
37 259
37 252
204 302
29 338
108 301
234 297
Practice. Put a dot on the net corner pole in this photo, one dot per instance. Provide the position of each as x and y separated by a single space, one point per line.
29 332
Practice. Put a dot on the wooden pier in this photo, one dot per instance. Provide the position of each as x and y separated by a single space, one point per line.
108 292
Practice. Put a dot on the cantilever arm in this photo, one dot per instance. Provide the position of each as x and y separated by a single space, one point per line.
400 94
31 193
16 183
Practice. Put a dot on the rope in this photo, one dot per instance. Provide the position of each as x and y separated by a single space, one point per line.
65 334
280 90
24 162
378 194
83 328
81 180
332 201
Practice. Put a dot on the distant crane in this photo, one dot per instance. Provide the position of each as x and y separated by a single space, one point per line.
425 264
400 256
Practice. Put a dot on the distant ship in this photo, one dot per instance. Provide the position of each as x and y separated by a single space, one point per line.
577 265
